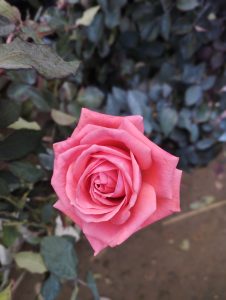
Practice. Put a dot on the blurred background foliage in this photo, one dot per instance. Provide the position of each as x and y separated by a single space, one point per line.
163 59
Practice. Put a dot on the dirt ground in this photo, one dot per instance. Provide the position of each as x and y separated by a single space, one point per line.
179 258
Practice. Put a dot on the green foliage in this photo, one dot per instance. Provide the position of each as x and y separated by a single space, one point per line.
9 112
6 294
51 288
10 234
26 171
59 256
30 261
19 144
92 285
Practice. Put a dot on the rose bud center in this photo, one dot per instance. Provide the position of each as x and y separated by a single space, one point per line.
108 185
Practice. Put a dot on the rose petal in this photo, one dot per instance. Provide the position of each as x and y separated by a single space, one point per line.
91 117
166 207
68 210
103 120
77 189
136 177
161 172
92 134
145 206
80 164
61 165
122 216
176 190
121 164
112 235
88 216
97 245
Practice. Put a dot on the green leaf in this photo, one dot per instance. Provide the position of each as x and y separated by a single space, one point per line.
30 261
186 5
47 213
10 12
59 256
165 26
8 182
194 133
23 55
9 112
6 293
18 91
38 99
189 44
51 288
6 27
92 285
4 189
202 113
95 32
168 120
193 94
208 82
23 124
62 118
182 25
88 16
222 138
204 144
10 234
23 76
46 160
112 11
19 144
91 97
26 171
192 74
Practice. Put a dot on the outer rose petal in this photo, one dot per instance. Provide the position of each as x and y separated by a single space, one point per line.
111 235
166 207
96 244
61 165
92 134
67 210
163 166
95 118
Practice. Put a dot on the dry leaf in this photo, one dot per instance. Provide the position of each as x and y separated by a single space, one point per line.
62 118
23 55
10 12
23 124
88 16
6 27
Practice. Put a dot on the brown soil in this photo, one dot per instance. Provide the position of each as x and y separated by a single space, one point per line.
181 260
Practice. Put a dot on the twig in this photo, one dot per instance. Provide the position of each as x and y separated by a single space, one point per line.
82 282
38 14
18 281
193 213
201 14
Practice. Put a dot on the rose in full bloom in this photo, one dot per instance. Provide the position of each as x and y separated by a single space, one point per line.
111 180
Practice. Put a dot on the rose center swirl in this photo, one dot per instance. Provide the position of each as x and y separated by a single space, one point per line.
108 185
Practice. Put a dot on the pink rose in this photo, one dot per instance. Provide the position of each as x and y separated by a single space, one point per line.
111 180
